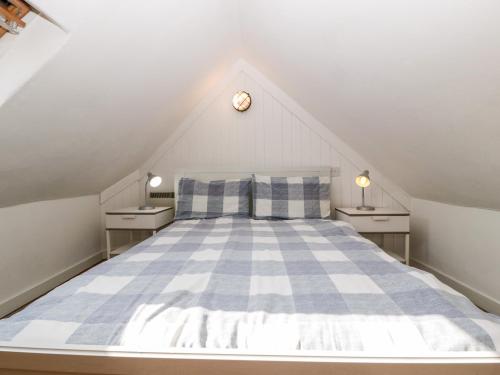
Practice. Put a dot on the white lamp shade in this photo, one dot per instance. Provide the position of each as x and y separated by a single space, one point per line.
363 180
155 181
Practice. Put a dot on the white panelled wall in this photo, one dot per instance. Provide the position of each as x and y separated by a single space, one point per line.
275 133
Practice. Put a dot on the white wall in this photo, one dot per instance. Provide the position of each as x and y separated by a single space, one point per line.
274 133
43 244
460 244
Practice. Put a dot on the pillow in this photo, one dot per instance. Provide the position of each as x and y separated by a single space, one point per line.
204 200
291 197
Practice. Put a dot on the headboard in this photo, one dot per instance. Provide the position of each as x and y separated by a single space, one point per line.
227 174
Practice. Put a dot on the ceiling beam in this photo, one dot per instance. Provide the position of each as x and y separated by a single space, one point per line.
14 11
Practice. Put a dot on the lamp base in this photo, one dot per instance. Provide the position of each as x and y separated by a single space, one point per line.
147 208
365 208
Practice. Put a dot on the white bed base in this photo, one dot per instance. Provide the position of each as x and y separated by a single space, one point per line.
34 361
37 362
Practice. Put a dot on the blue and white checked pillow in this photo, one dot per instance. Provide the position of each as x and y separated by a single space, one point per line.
291 197
204 200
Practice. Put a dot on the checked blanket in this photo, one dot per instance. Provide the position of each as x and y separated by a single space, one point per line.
261 285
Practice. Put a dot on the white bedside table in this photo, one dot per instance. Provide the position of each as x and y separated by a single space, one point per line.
381 220
131 219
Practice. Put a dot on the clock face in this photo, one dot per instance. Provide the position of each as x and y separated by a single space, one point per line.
242 101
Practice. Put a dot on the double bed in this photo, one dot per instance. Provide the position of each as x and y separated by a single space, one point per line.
238 295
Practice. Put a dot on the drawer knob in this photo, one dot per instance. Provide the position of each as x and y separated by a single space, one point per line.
128 217
380 218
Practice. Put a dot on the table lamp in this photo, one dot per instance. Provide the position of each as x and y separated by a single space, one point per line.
363 181
153 181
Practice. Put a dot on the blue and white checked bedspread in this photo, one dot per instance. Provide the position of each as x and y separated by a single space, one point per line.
255 285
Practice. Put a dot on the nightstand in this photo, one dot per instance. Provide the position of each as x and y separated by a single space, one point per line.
133 219
380 220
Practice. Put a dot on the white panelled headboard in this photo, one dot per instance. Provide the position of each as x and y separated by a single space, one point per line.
227 174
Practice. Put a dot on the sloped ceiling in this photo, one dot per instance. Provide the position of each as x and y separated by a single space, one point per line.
413 86
128 74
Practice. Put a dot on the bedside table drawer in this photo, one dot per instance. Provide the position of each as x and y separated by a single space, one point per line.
130 221
381 224
139 221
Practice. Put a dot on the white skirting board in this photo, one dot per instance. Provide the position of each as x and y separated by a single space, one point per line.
483 301
28 295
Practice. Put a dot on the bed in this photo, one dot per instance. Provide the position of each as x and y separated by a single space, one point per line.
237 295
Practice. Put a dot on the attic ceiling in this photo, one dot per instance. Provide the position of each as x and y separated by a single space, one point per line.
413 86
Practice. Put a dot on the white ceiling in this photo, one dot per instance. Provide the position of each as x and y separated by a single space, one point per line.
128 74
414 86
